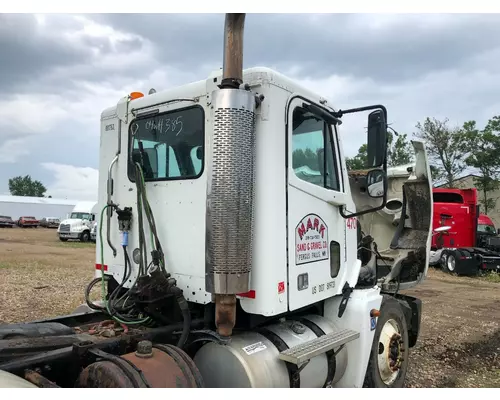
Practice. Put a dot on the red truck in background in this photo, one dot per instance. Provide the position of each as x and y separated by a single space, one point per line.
472 243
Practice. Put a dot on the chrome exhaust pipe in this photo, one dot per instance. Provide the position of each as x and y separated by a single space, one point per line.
230 187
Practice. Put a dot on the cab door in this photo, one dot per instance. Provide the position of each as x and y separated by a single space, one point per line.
316 230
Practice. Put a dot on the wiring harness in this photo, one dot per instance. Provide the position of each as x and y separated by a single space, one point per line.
153 284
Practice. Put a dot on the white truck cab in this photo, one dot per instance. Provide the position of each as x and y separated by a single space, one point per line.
78 224
238 250
252 198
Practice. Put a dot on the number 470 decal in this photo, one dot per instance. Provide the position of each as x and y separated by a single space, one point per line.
352 223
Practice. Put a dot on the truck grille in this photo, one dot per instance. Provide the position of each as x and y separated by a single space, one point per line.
65 228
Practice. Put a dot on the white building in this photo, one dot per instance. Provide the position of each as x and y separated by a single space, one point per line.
38 207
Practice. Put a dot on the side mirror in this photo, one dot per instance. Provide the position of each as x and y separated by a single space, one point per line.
498 231
377 140
376 183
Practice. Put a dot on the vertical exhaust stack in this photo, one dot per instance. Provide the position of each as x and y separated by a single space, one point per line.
230 187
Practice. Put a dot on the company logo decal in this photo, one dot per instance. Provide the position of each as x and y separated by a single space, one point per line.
311 240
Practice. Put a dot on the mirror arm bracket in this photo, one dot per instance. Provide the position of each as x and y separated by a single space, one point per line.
340 113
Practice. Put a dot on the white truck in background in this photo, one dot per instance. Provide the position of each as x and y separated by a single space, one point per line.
94 227
78 225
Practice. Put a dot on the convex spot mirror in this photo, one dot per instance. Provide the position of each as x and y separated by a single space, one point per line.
376 140
376 183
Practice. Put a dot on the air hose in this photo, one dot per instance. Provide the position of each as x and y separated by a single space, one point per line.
112 313
158 259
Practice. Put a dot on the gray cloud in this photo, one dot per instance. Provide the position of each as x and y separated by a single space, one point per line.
403 48
27 55
31 52
56 78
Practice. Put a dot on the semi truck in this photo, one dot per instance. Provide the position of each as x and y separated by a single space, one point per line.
472 244
222 262
78 224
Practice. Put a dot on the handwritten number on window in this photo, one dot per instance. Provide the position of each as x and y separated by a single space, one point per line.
174 125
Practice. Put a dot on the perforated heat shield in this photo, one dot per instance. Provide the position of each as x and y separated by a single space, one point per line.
230 193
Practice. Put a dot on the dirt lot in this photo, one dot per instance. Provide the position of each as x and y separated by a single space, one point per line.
40 276
460 338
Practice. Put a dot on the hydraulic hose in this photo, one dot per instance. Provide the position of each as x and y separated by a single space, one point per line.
186 315
103 288
111 307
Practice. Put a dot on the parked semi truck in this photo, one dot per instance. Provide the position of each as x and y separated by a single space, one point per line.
472 243
79 223
223 263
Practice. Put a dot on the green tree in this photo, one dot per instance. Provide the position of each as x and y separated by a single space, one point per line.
359 160
445 149
483 149
25 186
399 152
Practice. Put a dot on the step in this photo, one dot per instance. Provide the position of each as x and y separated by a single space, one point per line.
298 355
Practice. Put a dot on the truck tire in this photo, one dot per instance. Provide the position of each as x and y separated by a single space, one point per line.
390 344
449 262
63 239
85 236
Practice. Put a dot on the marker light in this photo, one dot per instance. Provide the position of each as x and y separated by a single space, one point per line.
135 95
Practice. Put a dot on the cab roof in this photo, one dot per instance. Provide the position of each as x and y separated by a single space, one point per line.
196 89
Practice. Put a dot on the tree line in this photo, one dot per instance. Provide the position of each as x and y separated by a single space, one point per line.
26 186
451 150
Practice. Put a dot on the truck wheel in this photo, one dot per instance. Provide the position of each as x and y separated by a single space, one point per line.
63 239
450 263
85 236
388 361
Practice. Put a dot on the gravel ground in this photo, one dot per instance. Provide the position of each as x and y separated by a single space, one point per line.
459 345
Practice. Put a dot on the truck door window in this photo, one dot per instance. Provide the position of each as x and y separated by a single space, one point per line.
313 155
169 141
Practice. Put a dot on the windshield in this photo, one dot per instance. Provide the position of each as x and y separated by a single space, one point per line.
486 229
80 215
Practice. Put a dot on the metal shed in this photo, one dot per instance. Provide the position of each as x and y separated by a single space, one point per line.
38 207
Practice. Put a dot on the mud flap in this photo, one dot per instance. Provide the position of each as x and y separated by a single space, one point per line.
412 309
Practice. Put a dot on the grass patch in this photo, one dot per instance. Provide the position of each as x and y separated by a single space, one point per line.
77 245
492 277
26 264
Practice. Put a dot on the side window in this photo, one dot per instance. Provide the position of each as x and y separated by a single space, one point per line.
313 154
164 145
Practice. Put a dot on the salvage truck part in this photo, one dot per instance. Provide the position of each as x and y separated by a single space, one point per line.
235 249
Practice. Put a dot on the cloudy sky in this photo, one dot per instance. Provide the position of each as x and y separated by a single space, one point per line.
58 72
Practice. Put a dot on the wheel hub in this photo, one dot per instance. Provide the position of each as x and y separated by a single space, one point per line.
451 263
390 352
